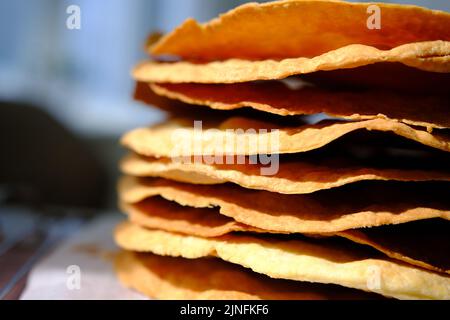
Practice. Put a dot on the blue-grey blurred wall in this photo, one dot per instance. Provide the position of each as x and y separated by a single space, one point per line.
82 76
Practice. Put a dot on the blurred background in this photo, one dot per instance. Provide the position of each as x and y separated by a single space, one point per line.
65 99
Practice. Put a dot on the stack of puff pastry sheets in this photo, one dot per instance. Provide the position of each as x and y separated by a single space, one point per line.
306 156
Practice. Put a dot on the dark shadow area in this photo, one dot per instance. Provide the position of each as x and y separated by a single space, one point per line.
42 163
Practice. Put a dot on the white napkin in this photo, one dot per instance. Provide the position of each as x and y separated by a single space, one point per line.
79 268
